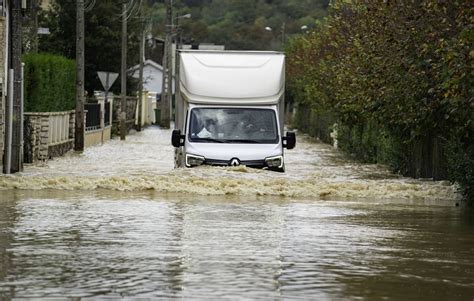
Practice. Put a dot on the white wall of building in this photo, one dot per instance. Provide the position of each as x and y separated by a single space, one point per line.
152 76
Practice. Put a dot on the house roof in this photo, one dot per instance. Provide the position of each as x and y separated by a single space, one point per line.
147 62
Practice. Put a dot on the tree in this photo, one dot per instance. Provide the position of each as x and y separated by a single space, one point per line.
399 72
102 41
240 24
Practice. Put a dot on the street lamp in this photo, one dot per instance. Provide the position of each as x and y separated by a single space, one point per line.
186 16
268 28
178 32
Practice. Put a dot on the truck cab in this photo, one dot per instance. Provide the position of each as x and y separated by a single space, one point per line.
229 110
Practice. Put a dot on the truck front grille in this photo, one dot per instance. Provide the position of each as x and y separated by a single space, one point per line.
249 163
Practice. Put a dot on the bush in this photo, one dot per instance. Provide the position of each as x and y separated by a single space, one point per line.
317 124
461 167
49 83
372 143
397 77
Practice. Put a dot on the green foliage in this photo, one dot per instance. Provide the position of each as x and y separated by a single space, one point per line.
240 24
317 124
461 167
404 67
237 24
371 143
102 38
49 83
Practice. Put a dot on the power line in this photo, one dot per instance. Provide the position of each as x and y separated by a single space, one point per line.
89 5
135 9
132 8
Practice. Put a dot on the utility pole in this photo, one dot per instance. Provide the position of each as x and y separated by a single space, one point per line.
79 119
140 79
166 93
283 36
34 26
123 75
16 43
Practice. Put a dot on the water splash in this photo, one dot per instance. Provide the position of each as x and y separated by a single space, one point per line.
145 162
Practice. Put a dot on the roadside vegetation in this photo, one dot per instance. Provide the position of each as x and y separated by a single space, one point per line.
397 80
102 38
50 83
392 80
245 24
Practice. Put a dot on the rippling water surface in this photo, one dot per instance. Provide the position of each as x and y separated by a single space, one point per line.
79 244
117 221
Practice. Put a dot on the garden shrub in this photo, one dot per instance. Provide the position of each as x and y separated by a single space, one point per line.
49 83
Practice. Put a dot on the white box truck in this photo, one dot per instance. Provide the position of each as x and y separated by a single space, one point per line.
230 109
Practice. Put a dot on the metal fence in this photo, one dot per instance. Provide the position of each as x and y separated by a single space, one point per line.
107 114
92 116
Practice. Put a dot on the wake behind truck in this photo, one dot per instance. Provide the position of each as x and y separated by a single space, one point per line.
229 109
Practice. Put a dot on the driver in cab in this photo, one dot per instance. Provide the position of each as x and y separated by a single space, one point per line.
208 130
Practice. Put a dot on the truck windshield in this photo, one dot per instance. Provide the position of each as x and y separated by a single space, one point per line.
233 125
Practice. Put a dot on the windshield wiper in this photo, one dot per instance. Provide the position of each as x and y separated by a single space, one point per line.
242 141
209 139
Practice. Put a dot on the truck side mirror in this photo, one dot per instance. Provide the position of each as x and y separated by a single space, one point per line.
177 139
290 140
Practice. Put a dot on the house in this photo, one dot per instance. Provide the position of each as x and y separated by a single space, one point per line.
152 76
152 87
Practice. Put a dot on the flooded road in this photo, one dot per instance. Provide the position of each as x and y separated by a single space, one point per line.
117 221
145 162
114 244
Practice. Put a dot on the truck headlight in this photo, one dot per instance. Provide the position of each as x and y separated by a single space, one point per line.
276 161
193 160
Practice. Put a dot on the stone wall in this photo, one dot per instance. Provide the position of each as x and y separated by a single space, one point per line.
36 138
60 149
131 112
37 130
72 125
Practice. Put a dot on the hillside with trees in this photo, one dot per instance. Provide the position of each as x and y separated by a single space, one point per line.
237 24
240 24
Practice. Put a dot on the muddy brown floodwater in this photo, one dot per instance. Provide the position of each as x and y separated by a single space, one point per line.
117 221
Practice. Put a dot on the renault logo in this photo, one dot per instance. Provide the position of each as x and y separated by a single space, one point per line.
234 162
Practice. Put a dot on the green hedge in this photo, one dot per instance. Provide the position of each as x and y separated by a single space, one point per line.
49 83
397 78
461 166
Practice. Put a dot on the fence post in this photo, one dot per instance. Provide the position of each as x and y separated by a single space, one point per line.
72 124
439 160
102 114
102 120
66 126
417 158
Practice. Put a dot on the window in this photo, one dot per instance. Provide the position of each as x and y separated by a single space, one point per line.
233 125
